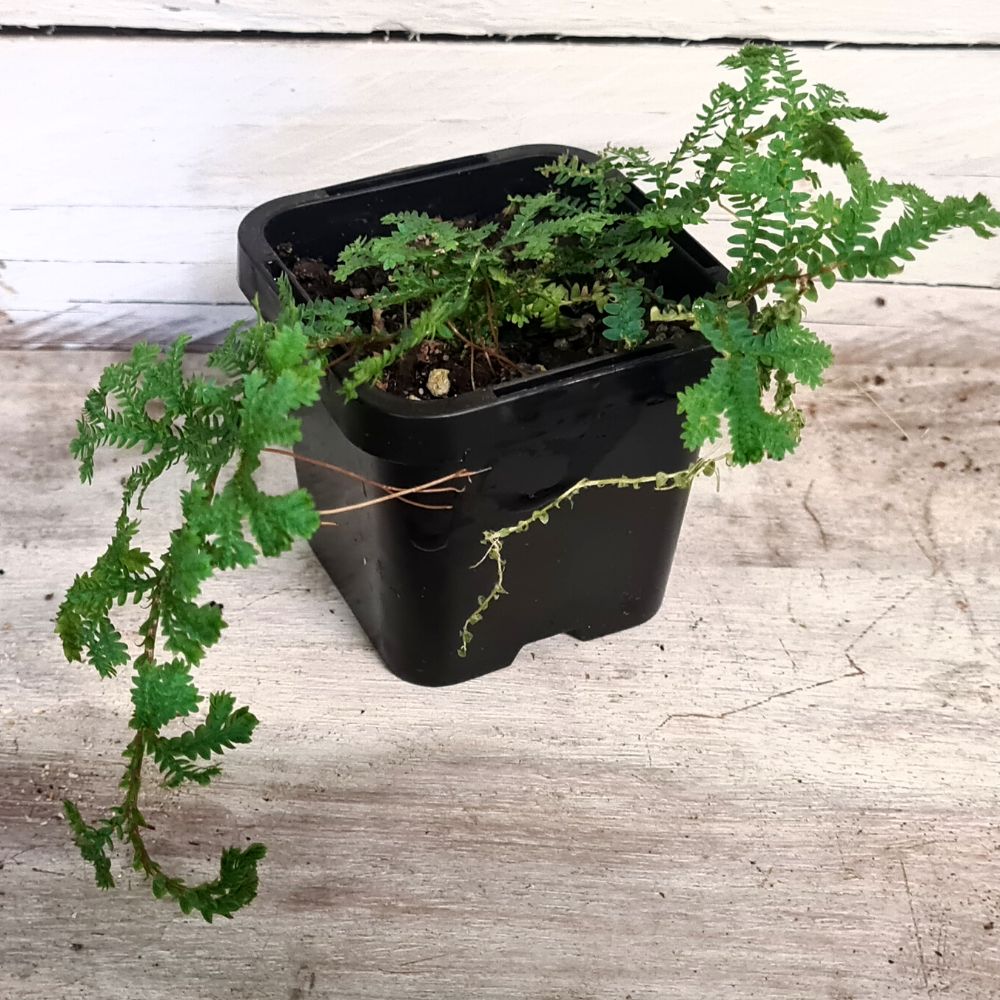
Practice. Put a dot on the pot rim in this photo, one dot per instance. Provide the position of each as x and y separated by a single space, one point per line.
261 265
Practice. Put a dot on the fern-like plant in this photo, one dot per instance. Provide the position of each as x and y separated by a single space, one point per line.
806 213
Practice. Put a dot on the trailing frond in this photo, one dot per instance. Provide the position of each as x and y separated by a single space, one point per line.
83 623
148 402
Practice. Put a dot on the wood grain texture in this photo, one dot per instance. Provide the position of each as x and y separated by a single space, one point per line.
782 787
924 22
181 138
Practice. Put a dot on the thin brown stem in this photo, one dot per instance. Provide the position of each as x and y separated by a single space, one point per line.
491 315
362 479
341 358
471 348
488 351
461 474
132 780
150 627
350 343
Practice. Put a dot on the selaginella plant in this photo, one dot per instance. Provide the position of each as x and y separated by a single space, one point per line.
578 260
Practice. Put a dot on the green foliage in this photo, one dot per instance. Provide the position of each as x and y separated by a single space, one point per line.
222 730
624 314
161 693
235 887
94 842
583 257
210 427
763 152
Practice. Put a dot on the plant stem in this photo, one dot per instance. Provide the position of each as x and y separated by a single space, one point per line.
131 816
461 474
490 315
493 540
800 278
488 351
367 482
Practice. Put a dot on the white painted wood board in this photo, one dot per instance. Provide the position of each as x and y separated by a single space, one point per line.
118 213
223 125
714 804
922 22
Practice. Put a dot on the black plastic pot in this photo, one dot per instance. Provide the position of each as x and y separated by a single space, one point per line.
596 568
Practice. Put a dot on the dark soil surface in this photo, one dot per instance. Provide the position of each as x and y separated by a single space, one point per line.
523 352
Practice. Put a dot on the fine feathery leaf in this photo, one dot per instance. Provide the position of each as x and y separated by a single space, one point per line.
94 843
757 150
222 730
624 314
235 887
161 693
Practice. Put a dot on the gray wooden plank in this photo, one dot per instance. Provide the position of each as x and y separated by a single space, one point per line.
783 786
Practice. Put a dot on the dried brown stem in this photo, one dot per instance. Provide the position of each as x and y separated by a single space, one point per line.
488 351
368 482
461 474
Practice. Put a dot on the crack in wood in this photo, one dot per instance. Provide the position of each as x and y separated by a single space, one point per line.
855 671
878 618
819 524
916 927
403 34
939 564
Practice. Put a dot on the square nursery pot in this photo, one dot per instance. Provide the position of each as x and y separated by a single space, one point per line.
597 567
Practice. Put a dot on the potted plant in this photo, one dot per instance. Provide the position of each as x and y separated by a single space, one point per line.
456 352
549 395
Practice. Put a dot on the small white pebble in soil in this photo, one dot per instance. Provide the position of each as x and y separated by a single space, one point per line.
439 382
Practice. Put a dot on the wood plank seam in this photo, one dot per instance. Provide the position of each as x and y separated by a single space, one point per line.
404 35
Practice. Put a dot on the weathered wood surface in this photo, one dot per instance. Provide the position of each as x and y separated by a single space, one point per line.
136 158
783 787
923 23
